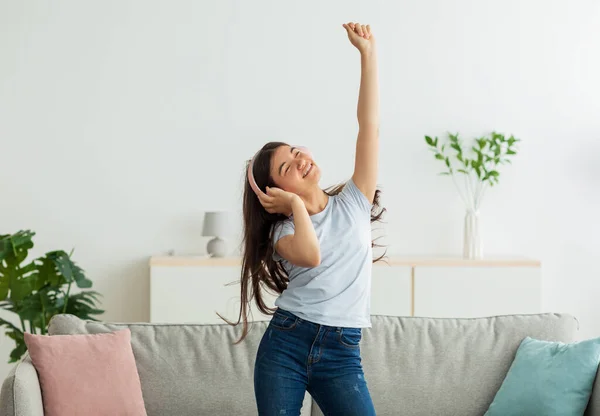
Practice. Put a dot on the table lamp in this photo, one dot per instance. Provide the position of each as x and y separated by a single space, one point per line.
217 224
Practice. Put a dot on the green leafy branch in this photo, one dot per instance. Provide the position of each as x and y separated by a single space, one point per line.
479 164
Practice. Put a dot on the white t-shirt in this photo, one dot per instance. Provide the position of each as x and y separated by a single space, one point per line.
338 291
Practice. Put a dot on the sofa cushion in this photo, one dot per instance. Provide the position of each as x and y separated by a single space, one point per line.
87 374
549 378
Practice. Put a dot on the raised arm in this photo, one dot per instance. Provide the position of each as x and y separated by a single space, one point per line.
302 247
367 143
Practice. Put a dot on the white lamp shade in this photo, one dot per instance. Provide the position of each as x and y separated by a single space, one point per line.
217 224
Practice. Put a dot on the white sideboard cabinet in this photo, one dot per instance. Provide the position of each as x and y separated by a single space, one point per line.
185 289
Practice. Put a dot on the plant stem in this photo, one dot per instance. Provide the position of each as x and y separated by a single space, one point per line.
470 192
482 191
459 191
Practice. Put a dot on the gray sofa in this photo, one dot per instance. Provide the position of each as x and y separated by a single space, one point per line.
414 366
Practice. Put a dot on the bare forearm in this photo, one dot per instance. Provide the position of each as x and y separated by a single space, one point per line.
305 238
368 96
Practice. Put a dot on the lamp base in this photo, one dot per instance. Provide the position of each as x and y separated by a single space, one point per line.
216 247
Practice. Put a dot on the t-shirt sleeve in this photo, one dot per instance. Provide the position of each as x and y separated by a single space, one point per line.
353 195
282 229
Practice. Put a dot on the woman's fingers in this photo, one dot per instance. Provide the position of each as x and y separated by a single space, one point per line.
349 29
359 29
265 199
273 192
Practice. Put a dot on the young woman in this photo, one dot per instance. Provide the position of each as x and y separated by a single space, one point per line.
314 248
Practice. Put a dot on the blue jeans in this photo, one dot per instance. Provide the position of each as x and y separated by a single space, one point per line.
295 356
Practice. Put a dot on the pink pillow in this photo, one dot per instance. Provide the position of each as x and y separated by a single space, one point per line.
88 375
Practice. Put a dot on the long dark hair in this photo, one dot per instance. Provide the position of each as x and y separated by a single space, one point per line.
260 271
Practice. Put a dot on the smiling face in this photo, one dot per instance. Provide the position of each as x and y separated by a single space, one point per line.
293 170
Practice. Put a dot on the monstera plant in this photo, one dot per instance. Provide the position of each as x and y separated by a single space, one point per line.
40 289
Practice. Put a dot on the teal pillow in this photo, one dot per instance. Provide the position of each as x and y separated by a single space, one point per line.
548 378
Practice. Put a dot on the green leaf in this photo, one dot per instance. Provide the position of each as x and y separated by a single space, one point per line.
494 173
19 244
448 162
4 286
16 335
439 156
13 251
429 140
82 306
9 325
47 273
511 152
62 263
30 308
477 167
463 171
17 353
69 270
20 289
456 147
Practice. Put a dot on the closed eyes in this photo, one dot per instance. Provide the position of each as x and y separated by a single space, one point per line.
287 169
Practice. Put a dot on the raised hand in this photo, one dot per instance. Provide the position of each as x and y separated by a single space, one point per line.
278 201
360 36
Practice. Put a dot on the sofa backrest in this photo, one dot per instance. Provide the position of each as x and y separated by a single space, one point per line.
187 369
424 366
413 366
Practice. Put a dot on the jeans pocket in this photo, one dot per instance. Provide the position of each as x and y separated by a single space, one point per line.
283 321
350 337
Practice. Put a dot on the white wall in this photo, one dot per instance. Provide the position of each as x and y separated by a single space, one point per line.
121 122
